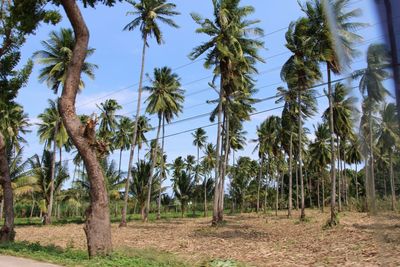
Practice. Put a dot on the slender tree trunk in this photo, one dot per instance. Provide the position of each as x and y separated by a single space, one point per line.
97 226
7 232
205 196
1 208
120 159
48 215
303 214
290 203
32 208
372 171
346 186
308 179
297 185
217 158
161 169
152 167
259 182
392 182
277 197
318 200
134 136
339 176
224 167
282 189
356 181
333 219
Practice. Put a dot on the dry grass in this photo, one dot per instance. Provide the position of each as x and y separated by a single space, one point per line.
360 240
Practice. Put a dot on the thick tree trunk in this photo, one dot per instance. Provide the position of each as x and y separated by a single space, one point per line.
392 182
152 167
48 215
217 158
7 232
97 226
134 136
290 203
302 214
259 182
333 219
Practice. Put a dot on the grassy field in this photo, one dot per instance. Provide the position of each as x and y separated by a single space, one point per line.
253 239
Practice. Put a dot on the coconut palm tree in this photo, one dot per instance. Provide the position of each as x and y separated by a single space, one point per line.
354 156
300 72
108 121
143 127
56 57
232 53
183 185
52 131
388 138
333 43
374 92
320 154
122 137
199 141
147 16
166 100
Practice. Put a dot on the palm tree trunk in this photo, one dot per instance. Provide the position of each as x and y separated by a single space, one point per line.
290 203
1 207
333 219
161 169
282 189
134 136
120 159
339 176
372 171
7 232
152 167
356 181
259 182
32 207
345 183
302 215
308 179
217 158
48 215
97 226
224 167
318 200
297 184
277 197
392 182
205 196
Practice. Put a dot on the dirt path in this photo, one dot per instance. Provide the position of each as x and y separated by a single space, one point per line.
8 261
262 241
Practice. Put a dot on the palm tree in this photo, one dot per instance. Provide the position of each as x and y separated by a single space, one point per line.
320 154
354 156
208 165
143 127
52 131
56 56
233 54
183 184
148 14
122 136
300 72
373 91
388 138
199 141
166 100
333 44
108 121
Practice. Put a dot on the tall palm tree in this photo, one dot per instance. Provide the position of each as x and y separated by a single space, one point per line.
166 100
300 72
108 121
388 138
122 137
333 38
232 53
199 141
52 131
147 16
374 92
56 57
320 154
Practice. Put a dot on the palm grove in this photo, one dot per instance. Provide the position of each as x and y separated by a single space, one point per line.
350 163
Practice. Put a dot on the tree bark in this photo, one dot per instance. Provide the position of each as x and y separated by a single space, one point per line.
259 182
333 219
297 184
152 167
302 214
97 226
277 197
48 215
318 200
372 203
161 170
7 232
290 203
356 181
120 159
134 136
339 176
224 167
214 221
392 182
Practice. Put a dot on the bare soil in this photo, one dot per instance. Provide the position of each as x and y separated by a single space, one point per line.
257 240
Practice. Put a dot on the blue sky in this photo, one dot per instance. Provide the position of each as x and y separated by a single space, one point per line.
118 55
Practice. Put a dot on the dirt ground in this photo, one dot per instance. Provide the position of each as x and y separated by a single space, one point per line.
257 240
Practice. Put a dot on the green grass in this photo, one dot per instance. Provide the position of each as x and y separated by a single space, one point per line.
69 257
